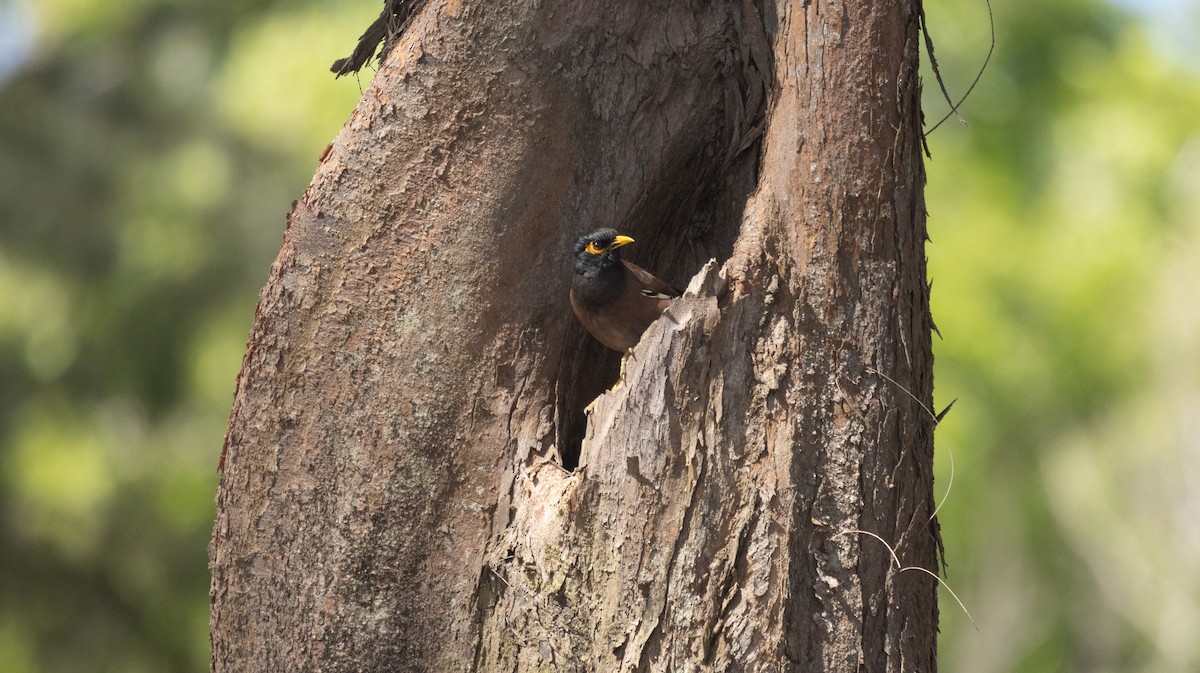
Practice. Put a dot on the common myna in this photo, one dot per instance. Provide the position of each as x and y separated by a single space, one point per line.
615 300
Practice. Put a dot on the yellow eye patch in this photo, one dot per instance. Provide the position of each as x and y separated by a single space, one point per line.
591 248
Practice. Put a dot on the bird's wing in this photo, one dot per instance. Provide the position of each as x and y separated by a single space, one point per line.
652 286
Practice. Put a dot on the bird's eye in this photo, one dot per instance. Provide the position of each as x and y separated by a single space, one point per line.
593 249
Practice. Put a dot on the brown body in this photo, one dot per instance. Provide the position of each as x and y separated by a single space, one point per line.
618 321
615 300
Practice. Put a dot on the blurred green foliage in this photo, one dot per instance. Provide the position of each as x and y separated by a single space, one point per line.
1066 266
148 153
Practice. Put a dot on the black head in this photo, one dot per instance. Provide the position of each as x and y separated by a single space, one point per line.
598 251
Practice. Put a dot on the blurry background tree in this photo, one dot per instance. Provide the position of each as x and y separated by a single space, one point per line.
1066 269
148 153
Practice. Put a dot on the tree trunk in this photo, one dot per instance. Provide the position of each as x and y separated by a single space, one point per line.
394 496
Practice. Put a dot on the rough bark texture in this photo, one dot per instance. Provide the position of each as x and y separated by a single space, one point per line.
392 497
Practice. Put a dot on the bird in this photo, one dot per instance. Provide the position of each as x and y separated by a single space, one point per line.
615 300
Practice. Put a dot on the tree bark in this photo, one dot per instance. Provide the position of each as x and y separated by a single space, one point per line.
393 494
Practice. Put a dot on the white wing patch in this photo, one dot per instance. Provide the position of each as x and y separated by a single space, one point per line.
655 295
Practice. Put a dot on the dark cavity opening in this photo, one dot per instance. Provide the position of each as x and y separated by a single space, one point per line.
677 230
689 213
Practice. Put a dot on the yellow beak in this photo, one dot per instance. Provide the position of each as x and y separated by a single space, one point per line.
619 241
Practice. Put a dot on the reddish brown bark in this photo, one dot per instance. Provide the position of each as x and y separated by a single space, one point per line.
393 496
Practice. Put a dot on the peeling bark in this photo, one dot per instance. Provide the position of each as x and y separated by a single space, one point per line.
393 494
